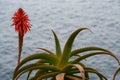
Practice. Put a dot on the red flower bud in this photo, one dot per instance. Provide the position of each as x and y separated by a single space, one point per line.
21 22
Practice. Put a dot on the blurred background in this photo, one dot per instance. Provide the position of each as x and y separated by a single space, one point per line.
63 16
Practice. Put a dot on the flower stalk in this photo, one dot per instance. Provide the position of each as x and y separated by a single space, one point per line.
20 46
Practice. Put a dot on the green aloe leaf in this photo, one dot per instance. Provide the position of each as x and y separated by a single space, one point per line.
95 53
81 69
57 44
50 58
25 68
78 66
47 75
88 70
85 49
75 71
42 61
33 67
29 73
41 72
68 46
116 72
48 51
91 70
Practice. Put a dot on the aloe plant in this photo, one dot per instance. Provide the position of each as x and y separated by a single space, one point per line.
59 65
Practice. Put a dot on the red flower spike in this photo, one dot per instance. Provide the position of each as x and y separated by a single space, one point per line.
21 22
22 25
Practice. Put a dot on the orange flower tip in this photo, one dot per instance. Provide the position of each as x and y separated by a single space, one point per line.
21 22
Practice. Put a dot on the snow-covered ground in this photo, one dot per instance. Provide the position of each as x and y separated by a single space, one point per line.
63 16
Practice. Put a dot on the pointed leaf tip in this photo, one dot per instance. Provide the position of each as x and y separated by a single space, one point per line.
57 45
